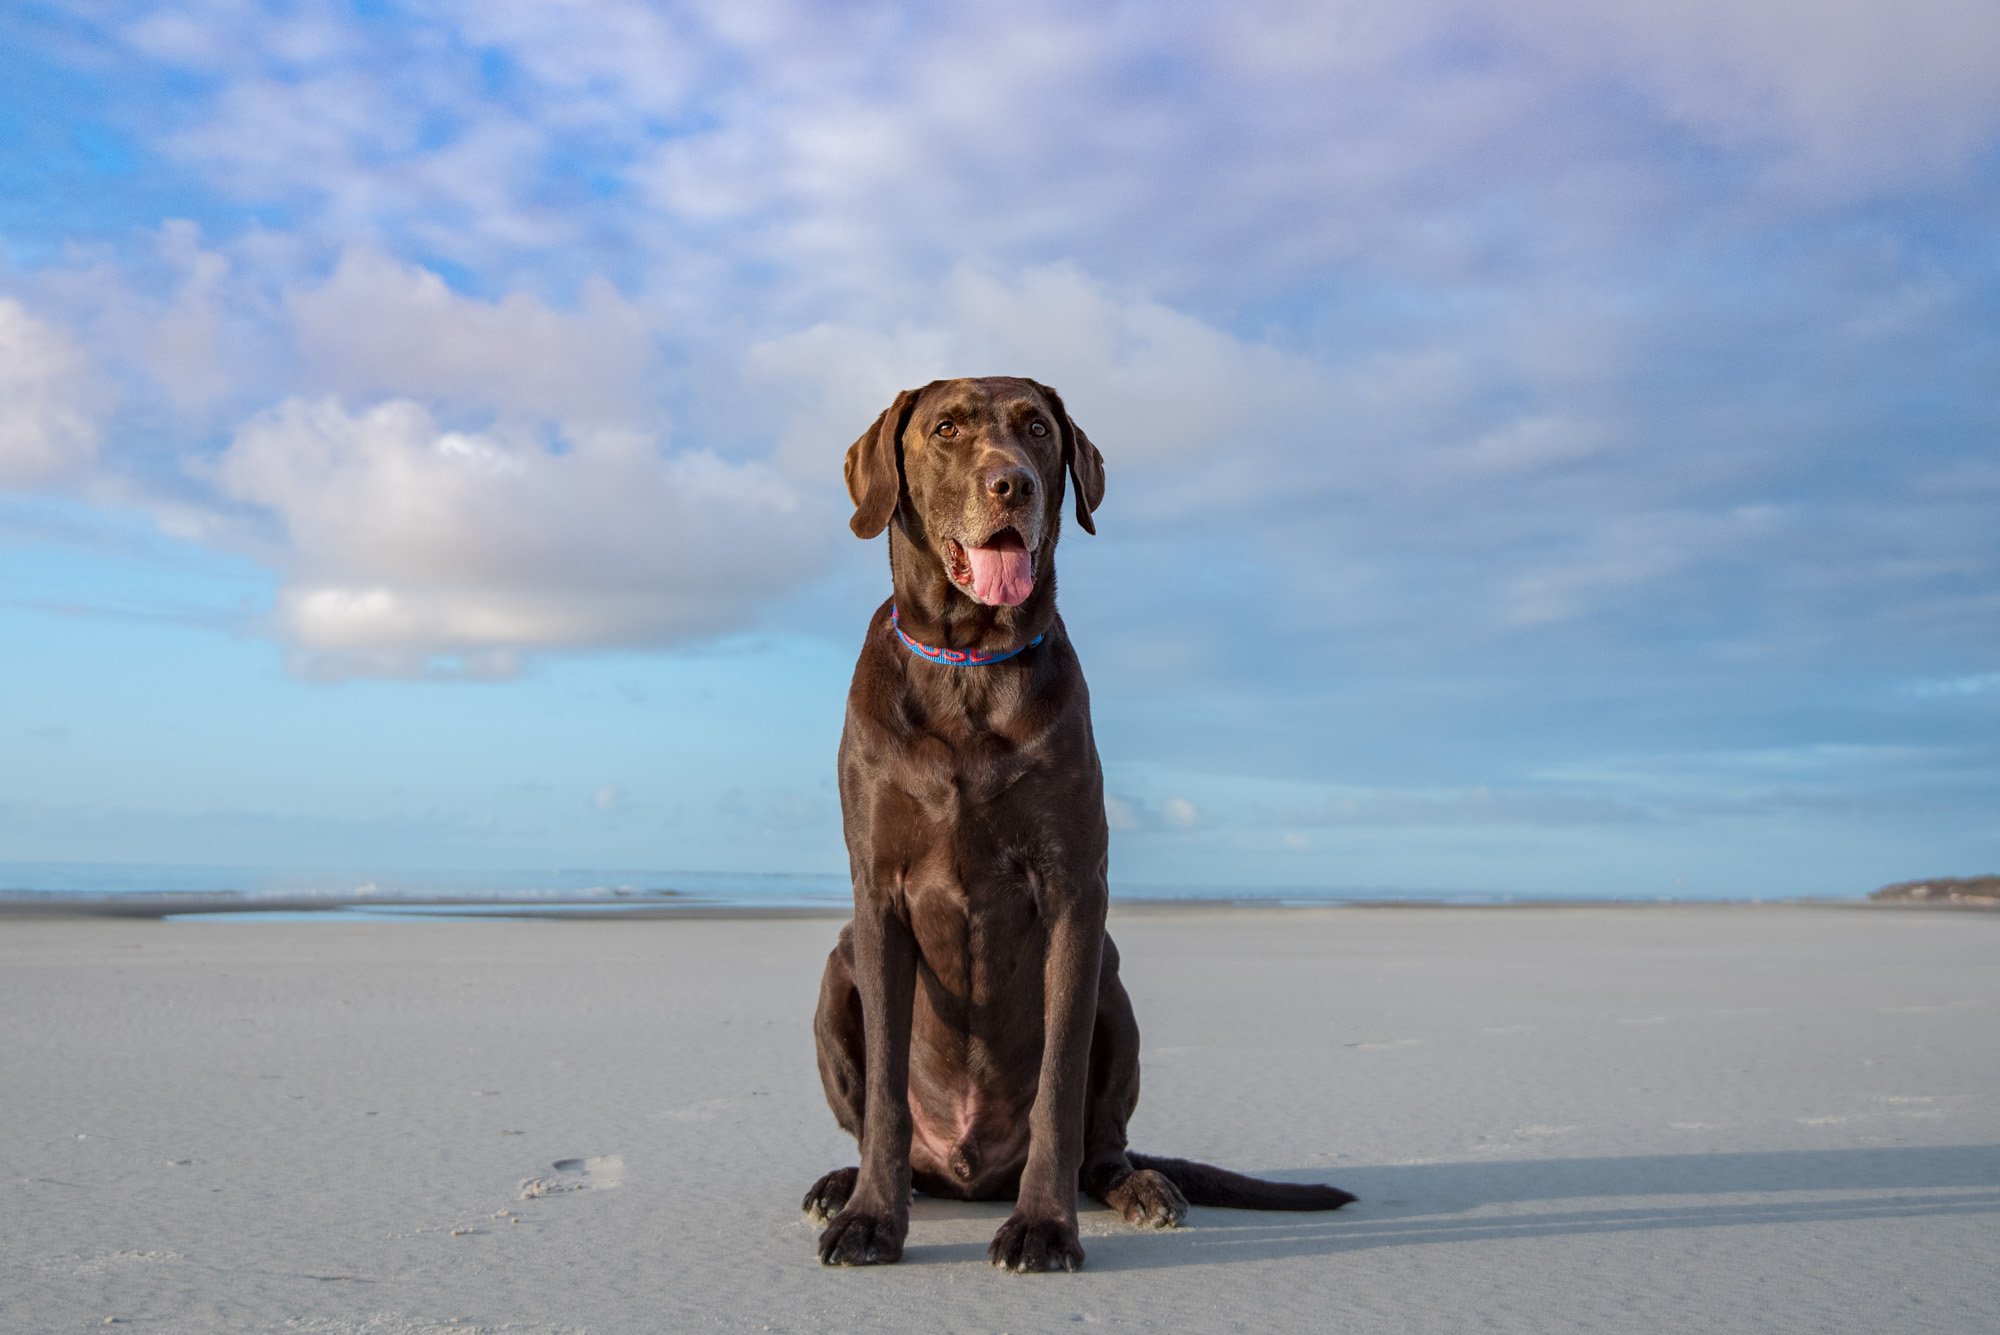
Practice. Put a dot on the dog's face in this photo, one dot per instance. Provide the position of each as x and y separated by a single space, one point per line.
975 469
982 463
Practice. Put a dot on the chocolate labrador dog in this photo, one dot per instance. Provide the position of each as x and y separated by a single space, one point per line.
972 1031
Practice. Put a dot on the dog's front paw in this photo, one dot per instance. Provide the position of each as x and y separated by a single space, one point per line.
1148 1200
1030 1243
828 1196
863 1237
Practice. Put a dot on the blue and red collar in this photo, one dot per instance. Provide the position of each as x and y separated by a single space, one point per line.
953 657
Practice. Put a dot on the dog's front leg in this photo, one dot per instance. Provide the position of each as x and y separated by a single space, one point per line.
871 1228
1041 1233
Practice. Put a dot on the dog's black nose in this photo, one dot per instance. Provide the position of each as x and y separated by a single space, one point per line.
1010 485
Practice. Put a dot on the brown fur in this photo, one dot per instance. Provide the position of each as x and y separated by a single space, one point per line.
972 1031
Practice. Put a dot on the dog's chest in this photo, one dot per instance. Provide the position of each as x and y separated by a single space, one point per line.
963 768
966 790
981 938
988 772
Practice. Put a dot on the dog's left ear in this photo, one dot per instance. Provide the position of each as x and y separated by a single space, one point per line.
1080 457
875 467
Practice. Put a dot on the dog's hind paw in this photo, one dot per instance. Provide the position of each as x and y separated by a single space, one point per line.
828 1196
1148 1199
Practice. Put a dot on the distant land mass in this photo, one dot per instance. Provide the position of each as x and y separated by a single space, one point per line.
1946 889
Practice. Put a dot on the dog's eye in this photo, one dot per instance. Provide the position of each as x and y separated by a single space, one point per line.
947 430
1038 427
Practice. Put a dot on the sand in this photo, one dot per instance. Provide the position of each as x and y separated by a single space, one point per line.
1606 1119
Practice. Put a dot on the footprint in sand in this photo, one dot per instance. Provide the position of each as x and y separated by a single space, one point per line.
604 1170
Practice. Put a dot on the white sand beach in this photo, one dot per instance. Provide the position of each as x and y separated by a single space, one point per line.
1626 1119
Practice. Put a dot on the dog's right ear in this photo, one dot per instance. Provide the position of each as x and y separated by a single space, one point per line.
875 468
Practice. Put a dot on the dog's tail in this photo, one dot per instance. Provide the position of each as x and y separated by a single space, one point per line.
1205 1184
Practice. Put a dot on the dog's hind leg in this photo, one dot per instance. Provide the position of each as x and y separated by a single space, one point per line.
1144 1197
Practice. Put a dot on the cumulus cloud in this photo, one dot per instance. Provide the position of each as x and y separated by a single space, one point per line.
379 327
409 548
48 428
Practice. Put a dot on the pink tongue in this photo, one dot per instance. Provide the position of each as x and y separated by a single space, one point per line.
1002 574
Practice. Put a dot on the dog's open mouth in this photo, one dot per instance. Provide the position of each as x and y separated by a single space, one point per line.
999 572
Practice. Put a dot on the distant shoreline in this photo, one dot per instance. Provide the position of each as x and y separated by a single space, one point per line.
666 905
1960 890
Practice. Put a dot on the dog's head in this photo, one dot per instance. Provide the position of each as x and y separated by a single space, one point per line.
973 471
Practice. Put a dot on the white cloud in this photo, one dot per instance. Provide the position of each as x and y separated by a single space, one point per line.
48 429
1206 150
1529 444
1955 688
1851 96
377 327
176 327
411 549
605 60
234 35
1611 557
1682 775
1477 805
1127 814
184 346
1158 389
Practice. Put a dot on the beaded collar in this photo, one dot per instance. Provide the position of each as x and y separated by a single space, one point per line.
953 657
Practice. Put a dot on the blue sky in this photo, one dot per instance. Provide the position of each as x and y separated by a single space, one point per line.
1551 447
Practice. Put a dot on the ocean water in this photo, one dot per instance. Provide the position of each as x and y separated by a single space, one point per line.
236 891
230 893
